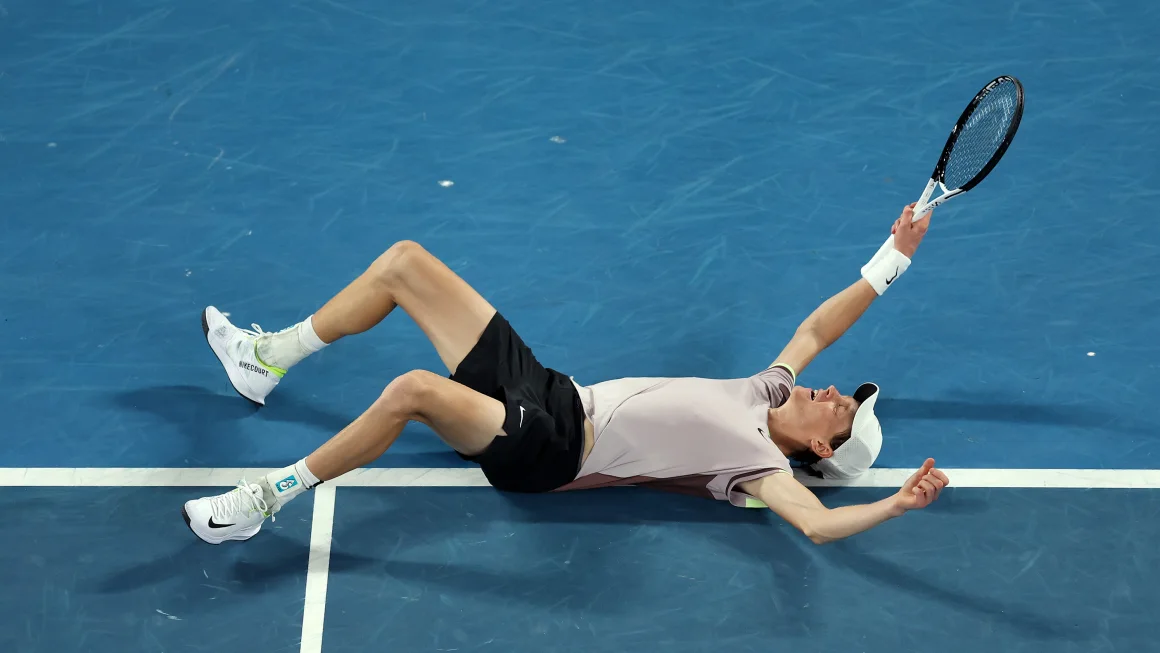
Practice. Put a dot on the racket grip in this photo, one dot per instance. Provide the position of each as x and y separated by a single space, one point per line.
921 206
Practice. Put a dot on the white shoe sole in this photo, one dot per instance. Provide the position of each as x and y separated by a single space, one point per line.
239 536
231 371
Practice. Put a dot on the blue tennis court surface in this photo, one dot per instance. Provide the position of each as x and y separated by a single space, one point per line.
643 190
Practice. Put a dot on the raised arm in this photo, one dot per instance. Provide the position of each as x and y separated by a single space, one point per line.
837 314
794 502
826 324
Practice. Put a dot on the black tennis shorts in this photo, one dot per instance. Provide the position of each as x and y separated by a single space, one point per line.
545 419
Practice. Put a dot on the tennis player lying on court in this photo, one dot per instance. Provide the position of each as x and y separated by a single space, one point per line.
533 429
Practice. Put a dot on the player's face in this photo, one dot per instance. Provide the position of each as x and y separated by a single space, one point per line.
821 414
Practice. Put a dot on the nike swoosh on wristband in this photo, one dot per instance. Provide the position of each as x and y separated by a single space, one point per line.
891 279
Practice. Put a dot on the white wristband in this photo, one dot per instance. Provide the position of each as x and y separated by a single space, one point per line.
887 265
884 250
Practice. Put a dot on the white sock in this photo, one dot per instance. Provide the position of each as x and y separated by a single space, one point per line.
289 346
289 482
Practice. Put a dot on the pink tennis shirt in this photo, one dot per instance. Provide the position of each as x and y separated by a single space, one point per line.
688 435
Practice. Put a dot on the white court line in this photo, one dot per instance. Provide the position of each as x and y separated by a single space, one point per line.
318 569
473 477
322 526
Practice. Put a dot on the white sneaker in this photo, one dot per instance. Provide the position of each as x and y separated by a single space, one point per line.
238 352
235 515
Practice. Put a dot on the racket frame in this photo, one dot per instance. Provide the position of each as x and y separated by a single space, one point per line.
938 177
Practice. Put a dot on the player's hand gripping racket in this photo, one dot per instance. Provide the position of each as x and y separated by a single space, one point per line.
977 142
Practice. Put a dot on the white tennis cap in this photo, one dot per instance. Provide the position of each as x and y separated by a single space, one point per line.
854 456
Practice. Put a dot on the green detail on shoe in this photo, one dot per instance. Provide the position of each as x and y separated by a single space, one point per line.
278 372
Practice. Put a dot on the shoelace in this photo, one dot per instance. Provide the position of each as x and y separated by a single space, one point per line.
258 332
242 500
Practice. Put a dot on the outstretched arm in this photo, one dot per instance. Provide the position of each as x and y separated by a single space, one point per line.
837 314
826 324
794 502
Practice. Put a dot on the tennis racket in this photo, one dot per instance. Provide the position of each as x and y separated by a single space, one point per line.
978 141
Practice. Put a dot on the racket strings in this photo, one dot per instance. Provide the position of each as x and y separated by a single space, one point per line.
982 135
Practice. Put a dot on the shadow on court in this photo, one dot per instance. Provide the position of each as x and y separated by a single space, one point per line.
615 552
268 564
590 573
989 409
211 424
192 406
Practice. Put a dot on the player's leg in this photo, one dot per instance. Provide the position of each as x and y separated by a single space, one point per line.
465 419
448 310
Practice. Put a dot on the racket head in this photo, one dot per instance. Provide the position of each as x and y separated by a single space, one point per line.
981 135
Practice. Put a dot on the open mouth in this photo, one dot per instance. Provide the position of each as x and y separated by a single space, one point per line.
813 394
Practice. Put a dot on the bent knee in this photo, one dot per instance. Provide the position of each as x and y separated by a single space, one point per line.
392 264
409 394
